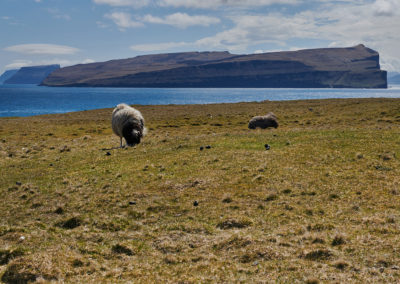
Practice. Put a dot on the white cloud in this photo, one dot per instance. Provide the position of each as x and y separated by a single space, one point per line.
203 4
39 48
338 24
182 20
102 25
386 7
88 60
151 47
123 20
122 3
58 15
212 4
16 64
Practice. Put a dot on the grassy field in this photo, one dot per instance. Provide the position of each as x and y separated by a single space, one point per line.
322 205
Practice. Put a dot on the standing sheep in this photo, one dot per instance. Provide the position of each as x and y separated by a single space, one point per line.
128 122
268 120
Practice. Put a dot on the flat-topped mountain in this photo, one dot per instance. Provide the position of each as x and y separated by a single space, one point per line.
32 74
352 67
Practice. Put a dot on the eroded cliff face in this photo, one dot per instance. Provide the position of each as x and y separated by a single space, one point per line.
7 75
353 67
32 75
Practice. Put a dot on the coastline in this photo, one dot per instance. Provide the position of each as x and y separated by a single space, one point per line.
44 100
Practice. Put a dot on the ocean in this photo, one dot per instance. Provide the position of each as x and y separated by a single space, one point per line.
28 100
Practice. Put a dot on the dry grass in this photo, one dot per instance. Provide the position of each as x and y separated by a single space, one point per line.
322 205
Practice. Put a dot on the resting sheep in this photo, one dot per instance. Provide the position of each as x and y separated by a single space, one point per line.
128 122
268 120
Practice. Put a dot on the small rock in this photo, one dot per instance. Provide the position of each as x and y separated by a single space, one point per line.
59 210
255 263
132 202
70 223
195 203
201 148
18 183
267 147
208 147
108 154
395 267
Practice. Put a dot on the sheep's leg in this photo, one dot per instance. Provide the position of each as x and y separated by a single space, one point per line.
120 144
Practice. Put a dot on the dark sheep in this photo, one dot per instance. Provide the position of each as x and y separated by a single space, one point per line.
268 120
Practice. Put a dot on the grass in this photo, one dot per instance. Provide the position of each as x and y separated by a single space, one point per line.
321 205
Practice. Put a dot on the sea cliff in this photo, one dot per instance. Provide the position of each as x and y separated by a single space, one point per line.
352 67
32 74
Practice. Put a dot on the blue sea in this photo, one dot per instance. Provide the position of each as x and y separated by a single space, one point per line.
28 100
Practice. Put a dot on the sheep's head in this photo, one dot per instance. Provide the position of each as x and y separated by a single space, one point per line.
274 123
132 134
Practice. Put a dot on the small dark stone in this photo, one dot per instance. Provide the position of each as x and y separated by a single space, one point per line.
18 183
195 203
120 249
59 210
208 147
51 165
267 147
132 202
108 154
201 148
70 223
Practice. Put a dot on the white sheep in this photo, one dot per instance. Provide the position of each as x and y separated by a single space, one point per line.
128 122
268 120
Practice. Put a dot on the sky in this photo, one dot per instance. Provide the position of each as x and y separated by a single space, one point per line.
69 32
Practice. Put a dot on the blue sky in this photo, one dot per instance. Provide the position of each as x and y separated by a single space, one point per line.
68 32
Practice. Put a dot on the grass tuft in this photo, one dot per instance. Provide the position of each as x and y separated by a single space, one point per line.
319 254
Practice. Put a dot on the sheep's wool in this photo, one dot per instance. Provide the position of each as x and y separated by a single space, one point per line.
265 121
123 115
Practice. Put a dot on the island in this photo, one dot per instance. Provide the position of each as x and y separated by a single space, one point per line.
351 67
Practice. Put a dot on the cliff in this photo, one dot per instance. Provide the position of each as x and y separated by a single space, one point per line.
32 75
7 75
352 67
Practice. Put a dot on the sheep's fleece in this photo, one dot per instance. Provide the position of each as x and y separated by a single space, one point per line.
268 120
128 122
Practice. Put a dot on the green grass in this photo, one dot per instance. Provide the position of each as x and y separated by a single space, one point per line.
321 205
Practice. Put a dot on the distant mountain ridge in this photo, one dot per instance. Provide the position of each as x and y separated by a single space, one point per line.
351 67
7 75
394 79
32 74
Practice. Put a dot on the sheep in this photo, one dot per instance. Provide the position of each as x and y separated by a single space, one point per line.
128 122
268 120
